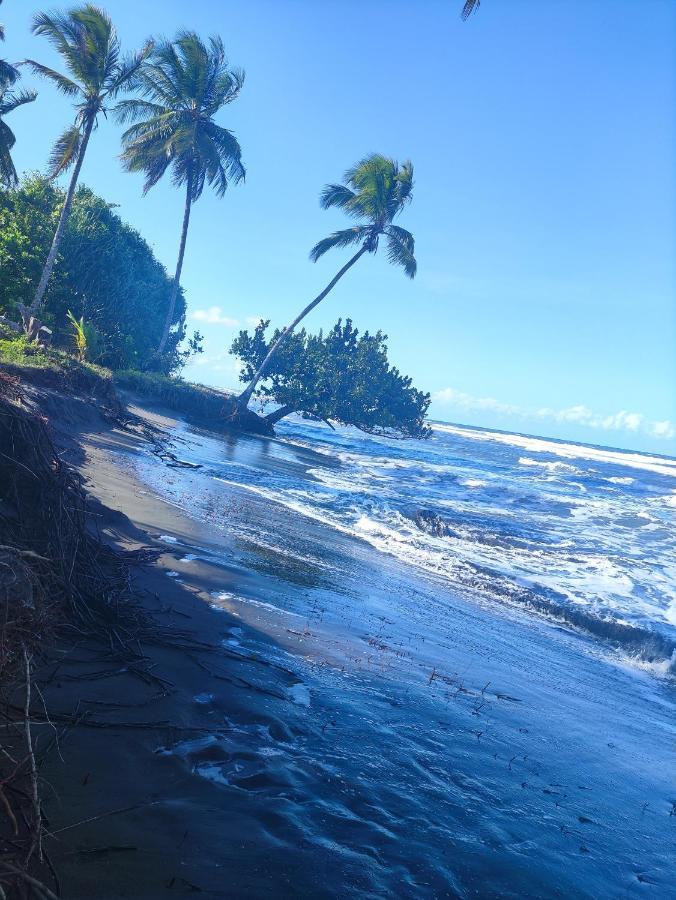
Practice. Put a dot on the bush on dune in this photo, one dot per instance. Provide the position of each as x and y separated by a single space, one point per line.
106 273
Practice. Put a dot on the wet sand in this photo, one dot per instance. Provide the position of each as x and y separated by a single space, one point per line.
338 734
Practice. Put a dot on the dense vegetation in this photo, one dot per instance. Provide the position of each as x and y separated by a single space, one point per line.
77 278
341 377
106 273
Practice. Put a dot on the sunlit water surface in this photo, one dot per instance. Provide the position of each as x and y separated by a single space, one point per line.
477 634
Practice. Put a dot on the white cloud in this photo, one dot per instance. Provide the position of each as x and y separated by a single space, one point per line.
623 420
223 363
213 316
575 415
582 415
451 397
664 429
579 415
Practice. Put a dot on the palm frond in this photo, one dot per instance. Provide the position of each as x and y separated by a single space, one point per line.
8 176
8 73
401 248
469 7
63 84
344 238
150 155
10 101
127 72
98 46
61 33
65 150
228 150
340 196
373 179
405 182
135 108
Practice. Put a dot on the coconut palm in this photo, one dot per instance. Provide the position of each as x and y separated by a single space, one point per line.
9 101
184 85
377 189
8 73
97 73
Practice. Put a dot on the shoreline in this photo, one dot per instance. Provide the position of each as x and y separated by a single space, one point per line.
105 820
198 770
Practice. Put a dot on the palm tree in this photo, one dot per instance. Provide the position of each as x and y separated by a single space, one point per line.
8 73
469 7
377 189
183 86
9 101
97 73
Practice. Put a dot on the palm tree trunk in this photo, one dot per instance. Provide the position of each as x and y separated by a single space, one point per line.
38 299
179 268
276 416
245 396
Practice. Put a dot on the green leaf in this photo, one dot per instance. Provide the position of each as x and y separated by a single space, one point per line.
65 151
344 238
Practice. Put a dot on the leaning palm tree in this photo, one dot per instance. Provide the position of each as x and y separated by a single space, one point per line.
8 73
9 101
377 189
97 73
184 85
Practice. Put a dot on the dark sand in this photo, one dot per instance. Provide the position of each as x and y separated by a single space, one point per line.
170 837
353 739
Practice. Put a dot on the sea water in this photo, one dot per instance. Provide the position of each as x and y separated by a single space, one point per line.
466 647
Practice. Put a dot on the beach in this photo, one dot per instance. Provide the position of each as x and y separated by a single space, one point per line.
334 725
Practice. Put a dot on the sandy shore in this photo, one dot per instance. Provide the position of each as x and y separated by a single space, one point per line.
332 730
128 820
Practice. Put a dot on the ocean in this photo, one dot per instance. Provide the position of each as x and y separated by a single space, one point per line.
471 647
584 534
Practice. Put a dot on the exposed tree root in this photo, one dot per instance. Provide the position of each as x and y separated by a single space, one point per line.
56 577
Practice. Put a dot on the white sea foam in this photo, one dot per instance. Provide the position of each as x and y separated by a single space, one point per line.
228 597
549 466
566 540
659 464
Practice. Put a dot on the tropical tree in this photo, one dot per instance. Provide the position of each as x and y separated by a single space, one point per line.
105 272
342 377
376 191
183 86
8 73
9 101
97 73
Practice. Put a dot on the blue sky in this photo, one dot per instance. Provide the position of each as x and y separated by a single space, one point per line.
542 135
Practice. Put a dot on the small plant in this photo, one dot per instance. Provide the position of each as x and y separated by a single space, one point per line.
79 336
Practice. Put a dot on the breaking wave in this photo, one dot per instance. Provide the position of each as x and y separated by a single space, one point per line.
556 528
